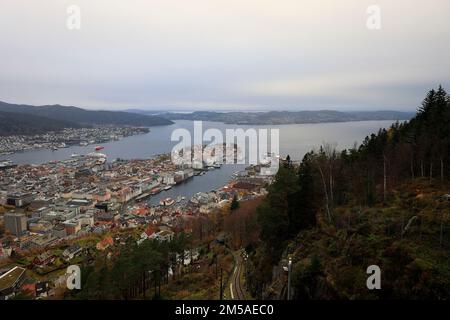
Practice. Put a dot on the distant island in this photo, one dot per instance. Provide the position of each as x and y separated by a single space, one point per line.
19 119
283 117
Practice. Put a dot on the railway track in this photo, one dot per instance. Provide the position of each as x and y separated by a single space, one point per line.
237 293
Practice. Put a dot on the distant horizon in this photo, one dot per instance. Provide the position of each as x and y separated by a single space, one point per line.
186 110
256 110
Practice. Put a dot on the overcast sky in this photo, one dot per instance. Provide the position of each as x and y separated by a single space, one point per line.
224 54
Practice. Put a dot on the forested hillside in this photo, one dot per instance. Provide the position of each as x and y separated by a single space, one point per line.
17 123
385 203
78 116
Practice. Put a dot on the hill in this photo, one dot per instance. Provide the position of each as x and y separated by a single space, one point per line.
17 123
385 203
85 117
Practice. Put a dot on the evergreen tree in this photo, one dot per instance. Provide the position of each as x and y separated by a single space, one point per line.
234 203
303 202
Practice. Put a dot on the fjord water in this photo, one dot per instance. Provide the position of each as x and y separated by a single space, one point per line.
295 140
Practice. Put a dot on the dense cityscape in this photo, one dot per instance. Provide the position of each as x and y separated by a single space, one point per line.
57 205
65 138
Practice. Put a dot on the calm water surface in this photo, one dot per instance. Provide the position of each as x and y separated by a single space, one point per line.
295 140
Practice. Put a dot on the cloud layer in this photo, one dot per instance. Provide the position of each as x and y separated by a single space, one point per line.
224 54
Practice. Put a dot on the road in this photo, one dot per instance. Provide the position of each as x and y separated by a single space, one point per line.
236 287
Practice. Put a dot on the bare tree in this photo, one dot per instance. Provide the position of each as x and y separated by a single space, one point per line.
422 172
325 164
324 184
330 153
431 171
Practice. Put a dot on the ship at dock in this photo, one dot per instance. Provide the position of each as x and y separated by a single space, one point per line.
7 164
155 190
167 202
183 175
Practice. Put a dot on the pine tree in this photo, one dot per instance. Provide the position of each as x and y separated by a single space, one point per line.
427 103
303 215
234 203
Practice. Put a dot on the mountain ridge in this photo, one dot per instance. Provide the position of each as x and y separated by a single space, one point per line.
68 116
17 123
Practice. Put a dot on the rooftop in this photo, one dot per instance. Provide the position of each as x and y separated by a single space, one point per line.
9 278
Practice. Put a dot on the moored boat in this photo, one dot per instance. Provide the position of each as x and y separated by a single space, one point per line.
167 202
6 164
155 191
